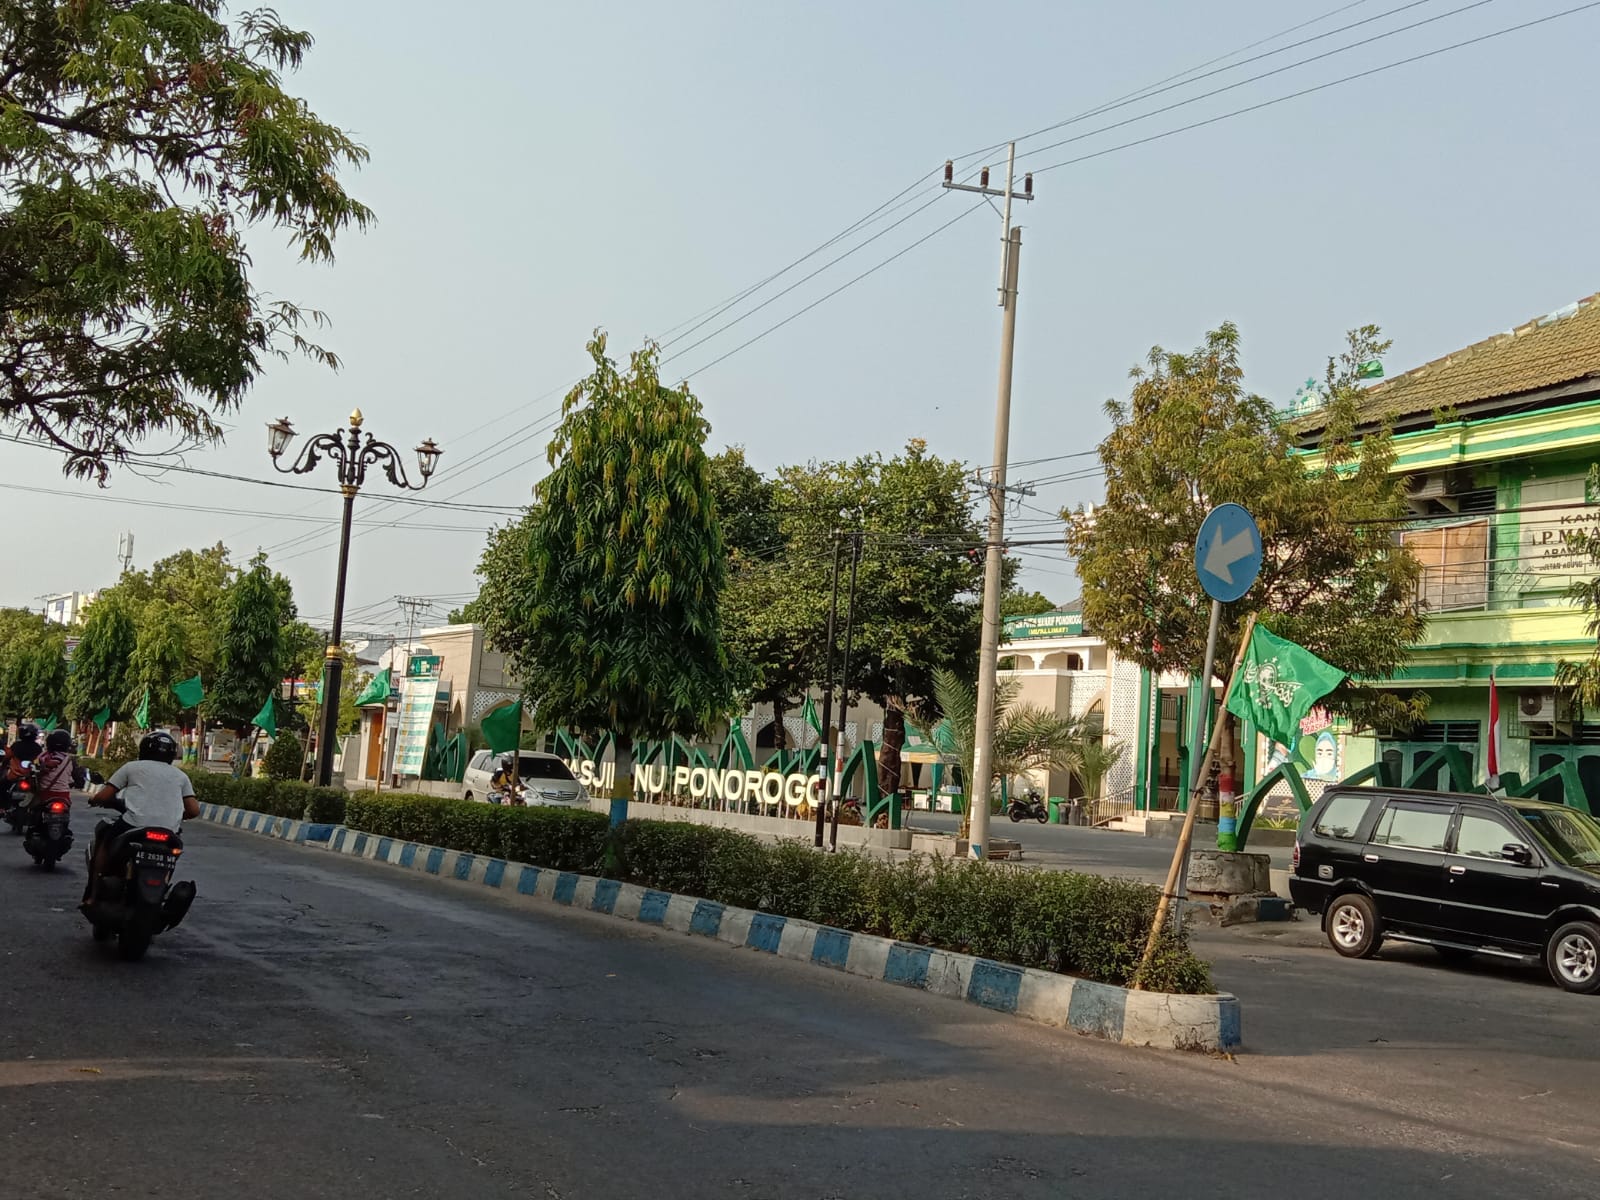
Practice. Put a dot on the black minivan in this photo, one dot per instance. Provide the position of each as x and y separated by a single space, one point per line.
1466 874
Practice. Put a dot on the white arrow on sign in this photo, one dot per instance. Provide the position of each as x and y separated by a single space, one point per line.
1224 552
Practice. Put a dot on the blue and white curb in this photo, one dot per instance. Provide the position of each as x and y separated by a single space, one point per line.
1158 1019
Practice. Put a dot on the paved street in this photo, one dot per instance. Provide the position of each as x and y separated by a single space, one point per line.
1080 848
328 1028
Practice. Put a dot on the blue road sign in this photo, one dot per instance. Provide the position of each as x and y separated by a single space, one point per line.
1227 554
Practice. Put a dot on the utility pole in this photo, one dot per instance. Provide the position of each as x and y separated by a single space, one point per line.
827 697
988 653
844 689
125 551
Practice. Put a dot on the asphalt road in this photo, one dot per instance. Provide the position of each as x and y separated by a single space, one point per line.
1082 848
324 1027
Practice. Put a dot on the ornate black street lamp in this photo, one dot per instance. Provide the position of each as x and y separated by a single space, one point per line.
353 456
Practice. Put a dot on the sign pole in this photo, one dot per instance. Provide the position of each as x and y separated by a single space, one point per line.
1202 714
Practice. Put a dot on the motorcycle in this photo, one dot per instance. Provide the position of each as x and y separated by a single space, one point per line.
16 792
515 796
133 898
1029 807
47 832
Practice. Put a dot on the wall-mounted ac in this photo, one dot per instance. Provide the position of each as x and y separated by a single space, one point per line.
1544 712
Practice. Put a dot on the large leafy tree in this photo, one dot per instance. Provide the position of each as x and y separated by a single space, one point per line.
139 142
21 630
1019 603
99 678
622 626
255 649
920 572
506 586
160 658
190 590
1191 437
36 678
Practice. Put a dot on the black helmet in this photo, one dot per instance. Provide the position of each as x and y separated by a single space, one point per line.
60 740
158 746
27 732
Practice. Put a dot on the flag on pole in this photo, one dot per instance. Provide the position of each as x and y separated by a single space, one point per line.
142 713
1371 369
808 711
1279 683
376 691
102 718
50 725
189 692
267 719
502 727
1495 731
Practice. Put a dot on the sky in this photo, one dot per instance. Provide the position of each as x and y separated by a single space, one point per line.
540 171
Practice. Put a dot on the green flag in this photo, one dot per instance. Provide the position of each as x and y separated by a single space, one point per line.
102 718
50 724
142 714
267 719
189 692
1278 684
376 691
1372 369
502 727
809 711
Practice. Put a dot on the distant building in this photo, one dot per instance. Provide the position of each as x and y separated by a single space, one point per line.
67 608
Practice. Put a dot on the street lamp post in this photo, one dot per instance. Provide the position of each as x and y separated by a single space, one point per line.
353 456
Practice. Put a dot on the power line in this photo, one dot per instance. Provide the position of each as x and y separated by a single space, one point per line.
1321 87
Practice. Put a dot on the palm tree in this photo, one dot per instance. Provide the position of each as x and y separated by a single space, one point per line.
1026 737
1097 758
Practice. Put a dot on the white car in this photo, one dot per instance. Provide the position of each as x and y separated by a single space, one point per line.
548 780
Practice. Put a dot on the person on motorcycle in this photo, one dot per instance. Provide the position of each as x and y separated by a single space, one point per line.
25 749
506 780
151 792
58 770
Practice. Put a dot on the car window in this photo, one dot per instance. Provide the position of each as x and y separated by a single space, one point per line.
1482 837
1572 837
1342 817
1416 826
544 768
479 759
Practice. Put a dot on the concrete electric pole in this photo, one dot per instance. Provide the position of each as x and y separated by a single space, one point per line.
983 741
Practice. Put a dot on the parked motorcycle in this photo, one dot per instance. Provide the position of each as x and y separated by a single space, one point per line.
1029 807
134 899
47 832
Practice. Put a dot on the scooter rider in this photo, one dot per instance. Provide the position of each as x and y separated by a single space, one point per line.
58 771
150 792
25 749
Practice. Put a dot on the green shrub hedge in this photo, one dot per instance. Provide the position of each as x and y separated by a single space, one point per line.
1082 925
277 797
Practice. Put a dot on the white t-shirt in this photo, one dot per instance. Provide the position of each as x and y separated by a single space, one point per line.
154 793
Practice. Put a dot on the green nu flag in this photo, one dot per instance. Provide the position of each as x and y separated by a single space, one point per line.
189 692
502 727
142 713
376 691
1372 369
1278 684
808 710
50 724
102 718
267 718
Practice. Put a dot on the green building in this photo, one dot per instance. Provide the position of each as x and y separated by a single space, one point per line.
1496 442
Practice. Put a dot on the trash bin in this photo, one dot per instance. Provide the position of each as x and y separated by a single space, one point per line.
1056 803
1080 814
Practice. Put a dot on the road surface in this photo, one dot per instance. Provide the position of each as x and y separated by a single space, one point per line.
324 1027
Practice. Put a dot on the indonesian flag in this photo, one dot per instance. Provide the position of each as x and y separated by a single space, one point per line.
1494 735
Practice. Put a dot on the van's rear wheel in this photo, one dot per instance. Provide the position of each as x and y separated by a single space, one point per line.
1572 956
1354 928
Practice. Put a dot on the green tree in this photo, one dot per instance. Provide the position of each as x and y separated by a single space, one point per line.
37 679
351 682
921 567
628 566
1026 737
254 654
506 586
141 143
20 629
193 587
159 660
99 676
283 757
1191 437
1018 603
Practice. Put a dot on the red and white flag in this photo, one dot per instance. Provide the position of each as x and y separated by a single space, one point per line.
1494 734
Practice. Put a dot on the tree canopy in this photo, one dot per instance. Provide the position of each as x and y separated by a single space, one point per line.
140 142
622 628
99 678
255 649
1333 580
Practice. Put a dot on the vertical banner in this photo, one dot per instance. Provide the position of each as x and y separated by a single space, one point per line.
416 718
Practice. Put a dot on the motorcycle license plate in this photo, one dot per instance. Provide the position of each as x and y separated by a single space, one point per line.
54 831
152 858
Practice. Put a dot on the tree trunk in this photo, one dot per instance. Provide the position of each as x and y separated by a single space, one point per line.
894 739
780 735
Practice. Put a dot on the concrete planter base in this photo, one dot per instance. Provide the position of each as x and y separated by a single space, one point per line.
1157 1019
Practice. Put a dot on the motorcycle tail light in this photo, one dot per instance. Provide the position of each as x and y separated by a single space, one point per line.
58 806
25 786
156 835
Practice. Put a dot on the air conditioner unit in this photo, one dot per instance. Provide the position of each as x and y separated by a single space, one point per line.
1545 712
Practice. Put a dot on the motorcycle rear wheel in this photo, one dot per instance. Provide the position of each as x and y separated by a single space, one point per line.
101 933
132 944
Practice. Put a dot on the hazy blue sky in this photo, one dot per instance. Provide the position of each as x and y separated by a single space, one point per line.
539 170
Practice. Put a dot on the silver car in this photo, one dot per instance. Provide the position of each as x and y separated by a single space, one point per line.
547 780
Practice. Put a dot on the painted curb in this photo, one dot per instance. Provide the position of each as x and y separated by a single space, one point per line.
1157 1019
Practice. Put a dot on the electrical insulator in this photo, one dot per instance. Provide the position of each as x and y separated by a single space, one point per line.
949 171
983 179
1027 184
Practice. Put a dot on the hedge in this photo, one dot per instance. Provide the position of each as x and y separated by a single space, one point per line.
1076 924
277 797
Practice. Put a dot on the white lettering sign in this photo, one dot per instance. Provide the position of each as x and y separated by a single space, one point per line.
769 789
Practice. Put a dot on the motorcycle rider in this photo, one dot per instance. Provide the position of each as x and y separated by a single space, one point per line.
506 780
150 791
25 749
58 770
